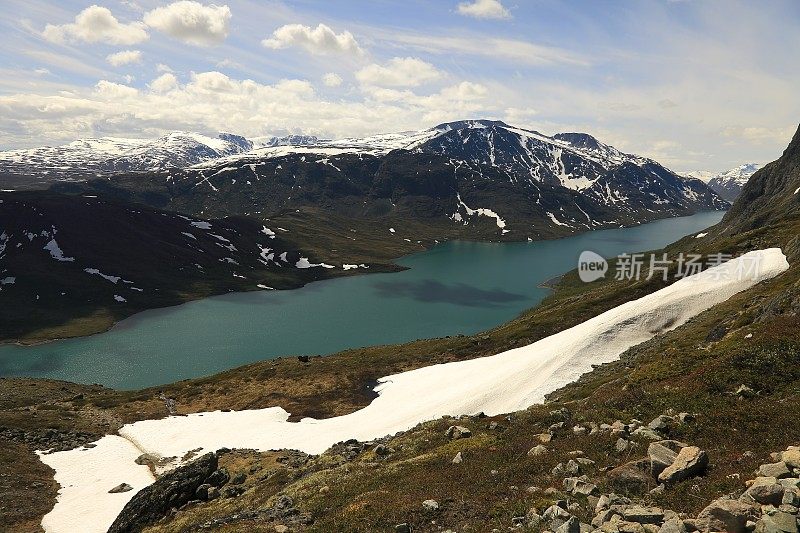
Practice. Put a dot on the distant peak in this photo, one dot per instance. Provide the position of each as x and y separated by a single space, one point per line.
580 140
793 150
471 124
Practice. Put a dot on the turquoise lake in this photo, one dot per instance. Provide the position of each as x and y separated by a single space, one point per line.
456 287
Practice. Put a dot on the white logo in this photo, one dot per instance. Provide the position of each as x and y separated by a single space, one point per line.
591 266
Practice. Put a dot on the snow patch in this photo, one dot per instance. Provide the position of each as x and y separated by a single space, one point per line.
56 252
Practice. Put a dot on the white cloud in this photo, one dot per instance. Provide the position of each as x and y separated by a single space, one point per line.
319 40
399 72
331 79
484 9
213 101
191 22
165 82
124 57
97 24
41 72
513 51
161 67
114 91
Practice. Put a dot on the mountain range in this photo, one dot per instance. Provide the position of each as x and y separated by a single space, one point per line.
727 184
336 206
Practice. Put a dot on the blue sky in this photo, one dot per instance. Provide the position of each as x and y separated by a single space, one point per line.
696 84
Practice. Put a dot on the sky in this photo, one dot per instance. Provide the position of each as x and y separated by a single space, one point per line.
694 84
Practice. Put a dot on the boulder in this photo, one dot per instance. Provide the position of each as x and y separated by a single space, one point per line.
648 433
172 490
778 522
662 454
572 525
726 515
764 494
791 457
633 477
691 461
458 432
661 423
673 525
778 470
622 445
122 487
458 459
643 515
537 450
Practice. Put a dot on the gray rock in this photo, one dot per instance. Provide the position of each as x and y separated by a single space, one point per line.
791 457
632 477
430 505
648 433
537 451
643 515
458 432
791 497
690 462
604 516
778 470
673 525
572 525
533 518
778 522
458 459
765 493
122 487
745 392
402 528
726 515
622 445
661 423
662 454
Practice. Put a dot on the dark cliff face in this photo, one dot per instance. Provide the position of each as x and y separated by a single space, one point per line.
771 195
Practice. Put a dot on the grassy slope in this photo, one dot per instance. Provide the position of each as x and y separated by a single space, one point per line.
682 370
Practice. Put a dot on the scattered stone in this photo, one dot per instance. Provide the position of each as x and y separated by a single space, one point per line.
303 358
643 515
622 445
382 450
778 522
537 450
580 430
691 461
745 392
430 505
777 470
534 518
458 459
661 423
686 418
572 525
673 525
585 461
544 438
791 457
458 432
648 433
239 478
726 515
632 477
765 493
122 487
662 454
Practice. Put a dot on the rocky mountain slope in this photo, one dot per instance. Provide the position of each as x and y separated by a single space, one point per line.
480 174
729 184
90 157
72 264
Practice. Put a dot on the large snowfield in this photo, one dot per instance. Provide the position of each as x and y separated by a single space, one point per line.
502 383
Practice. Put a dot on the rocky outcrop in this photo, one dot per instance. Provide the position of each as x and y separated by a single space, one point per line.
170 491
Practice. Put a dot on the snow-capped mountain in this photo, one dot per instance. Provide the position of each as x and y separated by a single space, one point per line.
729 184
87 157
